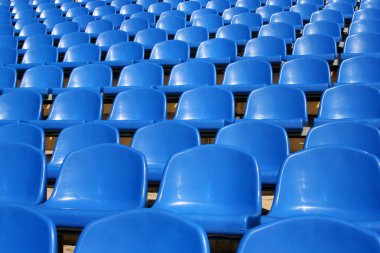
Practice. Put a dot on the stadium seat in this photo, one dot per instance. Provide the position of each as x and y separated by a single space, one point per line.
252 20
36 41
323 27
217 51
268 48
310 233
171 13
171 24
134 25
146 3
345 8
7 30
173 3
31 29
206 108
8 55
349 134
136 108
193 35
96 27
316 45
123 54
18 228
170 52
235 32
237 80
250 5
365 26
72 39
267 11
76 12
83 21
128 230
46 6
201 12
285 4
352 2
80 54
78 137
280 30
370 13
227 199
145 15
93 4
266 142
306 10
143 74
50 13
318 3
281 105
288 17
328 15
230 12
361 44
188 7
157 8
101 11
190 75
8 77
106 39
23 133
212 22
118 4
64 28
117 183
24 14
160 141
65 7
303 174
65 112
8 41
23 22
128 10
369 5
116 19
357 103
309 74
36 56
149 37
219 5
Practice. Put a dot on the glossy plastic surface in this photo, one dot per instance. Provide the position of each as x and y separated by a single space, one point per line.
124 53
116 19
218 5
267 48
230 12
109 38
267 11
359 70
328 15
323 27
81 53
345 8
101 11
289 17
23 133
76 12
32 29
64 28
316 45
361 44
72 39
370 13
285 4
130 9
211 22
83 21
96 27
42 79
37 40
235 32
280 30
158 8
134 25
170 52
193 35
189 6
149 37
252 20
305 9
8 77
218 51
366 25
171 24
227 197
20 105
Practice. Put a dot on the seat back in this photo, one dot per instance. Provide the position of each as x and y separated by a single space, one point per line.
23 133
8 55
125 51
217 48
91 75
32 29
281 30
171 24
193 35
72 39
20 105
84 52
353 71
37 40
8 77
96 27
65 28
171 49
237 73
193 73
142 74
112 37
265 46
315 44
41 54
236 32
134 25
252 20
365 43
48 76
149 37
323 27
230 12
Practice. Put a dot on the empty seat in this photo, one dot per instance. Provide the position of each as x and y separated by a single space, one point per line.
76 12
350 134
149 37
113 186
281 105
370 13
363 26
211 22
289 17
145 15
24 14
7 30
72 39
356 103
143 74
247 75
8 41
361 44
190 75
80 54
218 5
218 51
267 11
18 230
309 233
236 32
134 25
106 39
309 74
136 108
36 41
201 12
230 12
49 13
68 5
64 28
250 5
159 141
227 198
369 5
323 27
24 133
306 10
101 11
8 77
35 56
118 4
303 173
23 22
146 3
328 15
268 48
280 30
128 10
188 7
93 4
171 24
96 27
72 107
128 231
158 8
206 108
32 29
193 35
266 142
360 70
285 4
346 9
78 137
316 45
170 52
173 3
123 54
116 19
176 13
83 21
252 20
8 55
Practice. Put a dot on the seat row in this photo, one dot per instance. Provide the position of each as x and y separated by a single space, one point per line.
128 231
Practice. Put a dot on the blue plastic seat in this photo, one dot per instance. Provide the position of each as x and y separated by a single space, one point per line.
36 41
7 30
8 77
123 54
8 41
289 17
157 8
78 137
65 7
361 44
51 22
252 20
369 5
83 21
146 3
26 13
32 29
143 74
171 24
227 199
130 9
96 27
201 12
5 15
268 48
316 45
325 28
170 52
118 4
116 19
356 103
145 15
305 10
23 181
363 26
35 56
193 35
106 39
309 233
45 6
24 133
101 11
49 13
20 6
202 2
134 25
93 4
159 141
281 105
149 37
72 107
176 13
230 12
76 12
64 28
237 80
308 73
349 134
218 51
188 7
206 108
23 22
266 142
218 5
173 3
303 174
236 32
345 8
360 70
18 230
118 183
328 15
369 13
79 55
72 39
212 22
8 55
168 233
285 4
190 75
250 5
267 11
280 30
